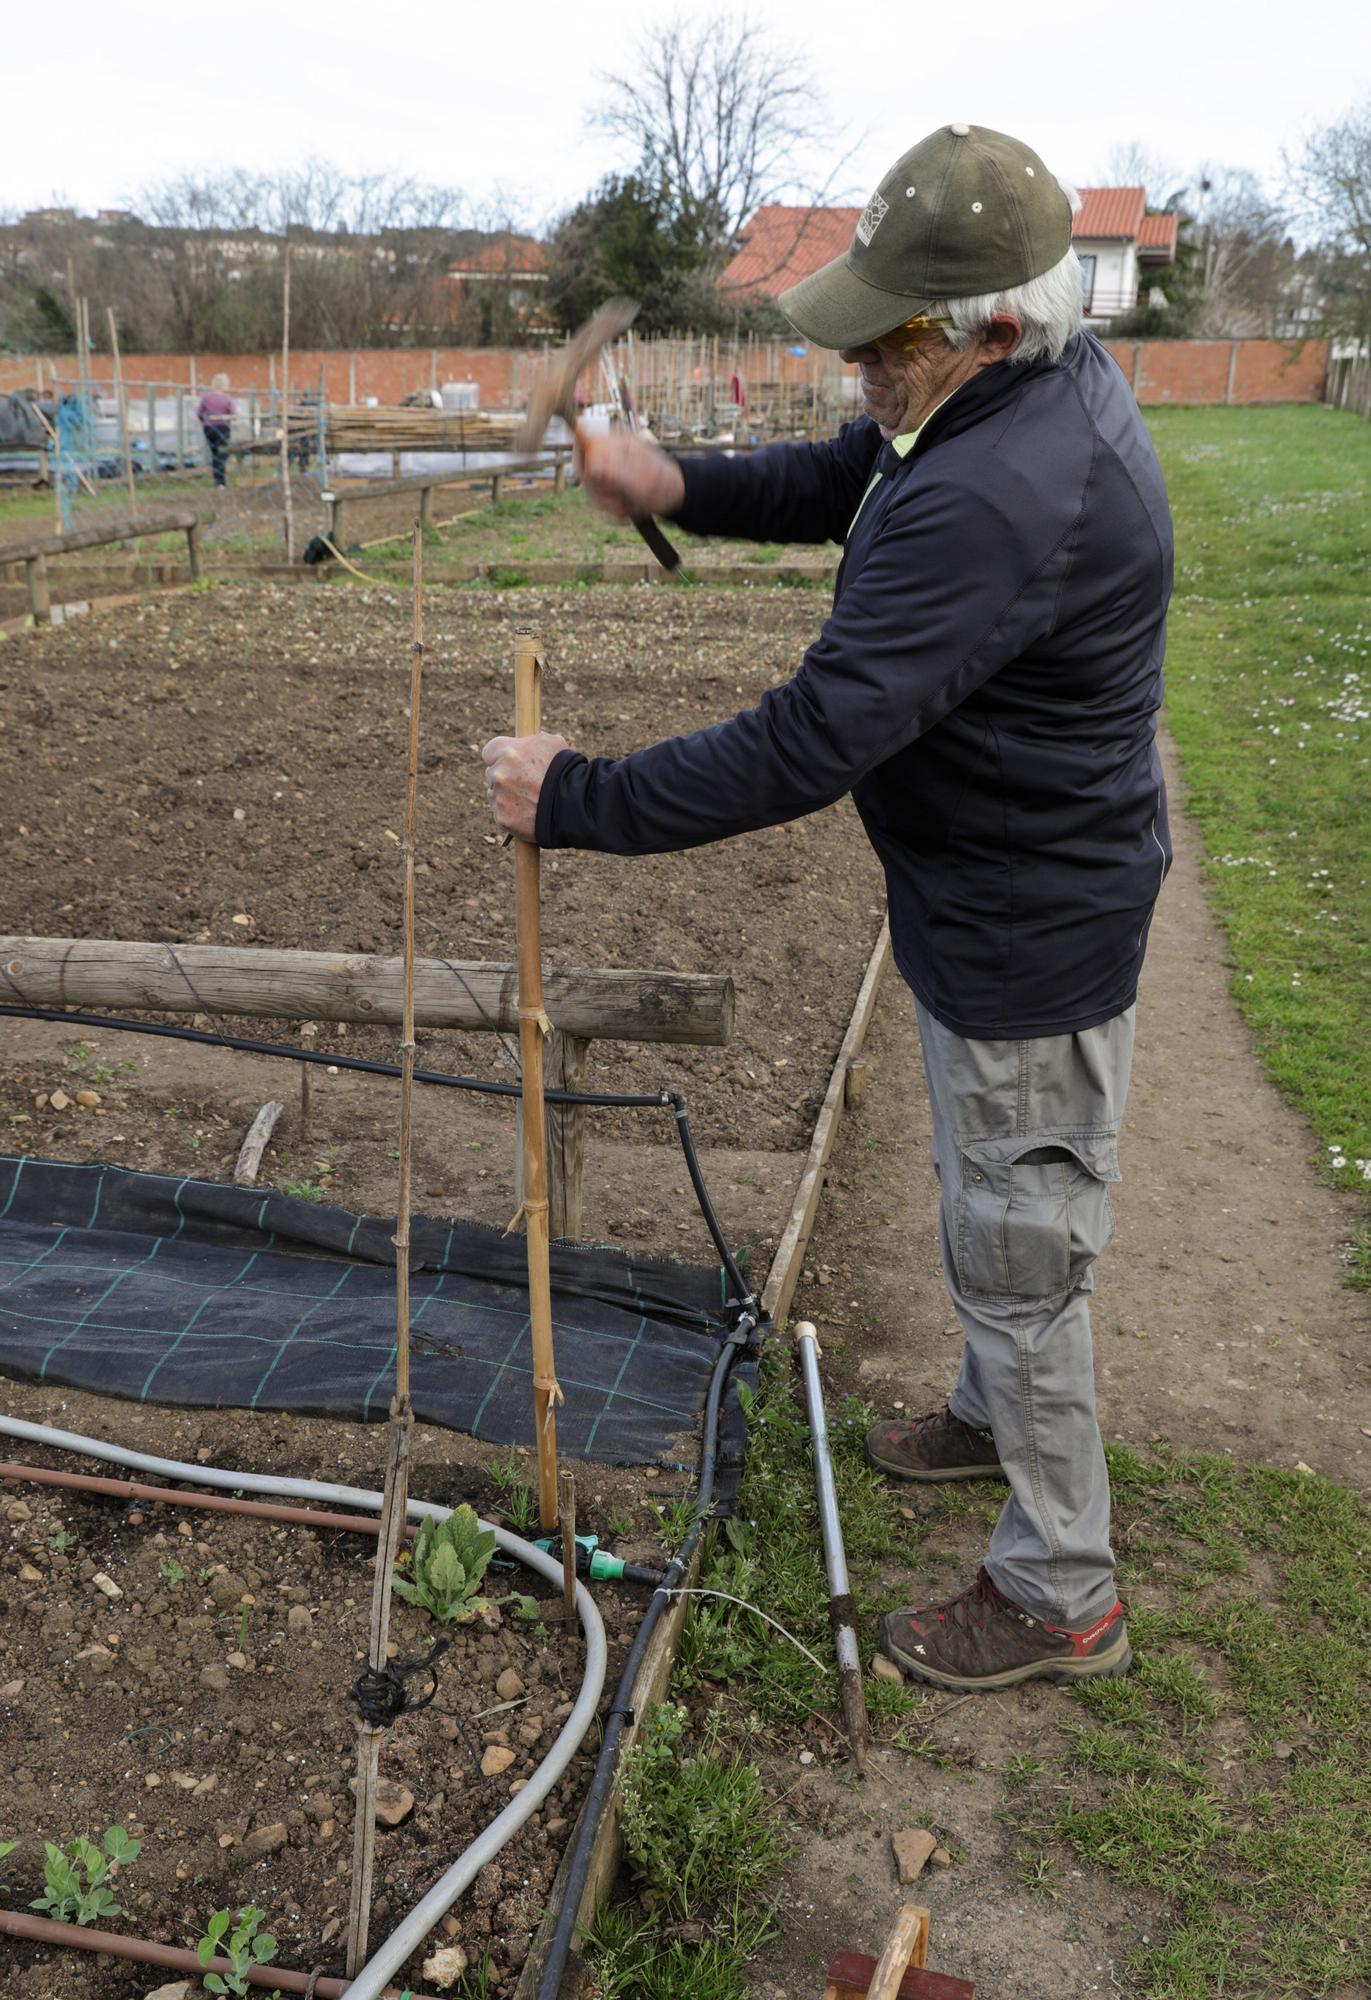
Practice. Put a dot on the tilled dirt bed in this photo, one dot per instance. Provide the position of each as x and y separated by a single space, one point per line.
239 755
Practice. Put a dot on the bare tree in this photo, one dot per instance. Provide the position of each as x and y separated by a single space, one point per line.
1330 183
1133 163
723 119
1243 257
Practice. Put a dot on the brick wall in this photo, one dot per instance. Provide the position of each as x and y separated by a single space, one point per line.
1223 371
1161 371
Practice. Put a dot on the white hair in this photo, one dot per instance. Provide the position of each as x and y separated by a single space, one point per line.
1049 309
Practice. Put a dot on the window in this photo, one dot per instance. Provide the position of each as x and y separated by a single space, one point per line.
1087 264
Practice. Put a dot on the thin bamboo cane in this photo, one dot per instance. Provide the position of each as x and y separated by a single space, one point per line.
401 1422
533 1026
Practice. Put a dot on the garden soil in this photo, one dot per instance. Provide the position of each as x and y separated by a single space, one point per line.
125 765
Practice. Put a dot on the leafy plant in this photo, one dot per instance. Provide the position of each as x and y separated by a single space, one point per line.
75 1877
448 1560
172 1571
60 1542
244 1946
697 1829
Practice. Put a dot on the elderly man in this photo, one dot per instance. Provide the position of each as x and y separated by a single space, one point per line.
986 687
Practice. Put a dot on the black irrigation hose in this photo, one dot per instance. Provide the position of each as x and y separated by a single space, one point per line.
619 1714
666 1099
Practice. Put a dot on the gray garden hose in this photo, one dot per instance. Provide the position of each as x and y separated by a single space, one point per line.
410 1934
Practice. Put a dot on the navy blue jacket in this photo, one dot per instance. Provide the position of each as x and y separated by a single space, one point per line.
986 686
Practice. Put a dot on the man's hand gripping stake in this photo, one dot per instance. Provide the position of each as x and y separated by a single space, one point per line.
555 396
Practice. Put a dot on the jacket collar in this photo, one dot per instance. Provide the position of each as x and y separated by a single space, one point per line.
993 390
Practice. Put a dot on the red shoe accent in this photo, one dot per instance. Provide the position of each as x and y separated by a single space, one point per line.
1082 1642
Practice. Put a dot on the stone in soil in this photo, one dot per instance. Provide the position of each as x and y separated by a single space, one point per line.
913 1847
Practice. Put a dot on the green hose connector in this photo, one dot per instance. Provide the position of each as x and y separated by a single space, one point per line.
605 1568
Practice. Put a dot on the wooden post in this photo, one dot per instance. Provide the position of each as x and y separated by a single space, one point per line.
425 506
906 1946
194 551
533 1025
335 532
36 577
151 400
352 378
285 411
566 1134
559 473
180 428
122 405
496 489
1234 349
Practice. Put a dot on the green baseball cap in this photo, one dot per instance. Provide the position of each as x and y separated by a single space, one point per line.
965 212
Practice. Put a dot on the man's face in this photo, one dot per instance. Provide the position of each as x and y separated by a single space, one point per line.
903 376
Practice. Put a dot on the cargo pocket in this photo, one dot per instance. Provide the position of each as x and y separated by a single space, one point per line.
1034 1213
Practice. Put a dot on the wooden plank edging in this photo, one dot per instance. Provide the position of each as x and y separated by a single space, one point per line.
785 1265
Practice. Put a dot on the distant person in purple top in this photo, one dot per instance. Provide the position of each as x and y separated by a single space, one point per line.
215 412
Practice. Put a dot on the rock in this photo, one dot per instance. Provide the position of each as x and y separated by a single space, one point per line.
18 1510
28 1574
394 1802
99 1659
883 1669
446 1967
239 1661
806 1756
59 1101
215 1678
241 918
264 1840
226 1590
496 1760
106 1585
913 1848
509 1686
299 1621
88 1099
178 1989
12 1690
940 1858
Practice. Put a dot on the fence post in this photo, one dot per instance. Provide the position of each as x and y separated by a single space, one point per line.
1233 348
559 474
425 506
194 543
180 428
564 1068
335 526
496 488
36 577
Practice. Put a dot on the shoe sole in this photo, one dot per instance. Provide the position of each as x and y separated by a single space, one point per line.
1111 1664
935 1477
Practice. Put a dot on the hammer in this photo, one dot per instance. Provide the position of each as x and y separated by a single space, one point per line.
555 396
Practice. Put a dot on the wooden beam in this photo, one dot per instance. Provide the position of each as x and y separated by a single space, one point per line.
785 1265
40 603
118 528
613 1005
850 1974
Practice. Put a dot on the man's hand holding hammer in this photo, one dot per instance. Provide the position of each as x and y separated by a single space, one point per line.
626 478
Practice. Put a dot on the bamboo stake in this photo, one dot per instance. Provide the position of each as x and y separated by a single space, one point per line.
285 410
401 1423
122 405
533 1026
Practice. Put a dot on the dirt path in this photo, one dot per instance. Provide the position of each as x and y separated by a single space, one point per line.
1221 1323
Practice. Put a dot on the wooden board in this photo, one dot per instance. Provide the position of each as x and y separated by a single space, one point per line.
786 1264
850 1974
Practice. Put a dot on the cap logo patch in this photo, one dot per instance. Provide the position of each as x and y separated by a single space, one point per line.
876 209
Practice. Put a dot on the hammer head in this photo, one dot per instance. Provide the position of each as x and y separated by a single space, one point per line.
555 394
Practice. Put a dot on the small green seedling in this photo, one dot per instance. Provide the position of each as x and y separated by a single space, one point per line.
60 1542
244 1946
448 1560
520 1506
171 1571
74 1877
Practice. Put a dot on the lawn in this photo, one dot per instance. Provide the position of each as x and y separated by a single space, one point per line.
1269 699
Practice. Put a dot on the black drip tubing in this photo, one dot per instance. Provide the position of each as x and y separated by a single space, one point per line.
663 1099
619 1713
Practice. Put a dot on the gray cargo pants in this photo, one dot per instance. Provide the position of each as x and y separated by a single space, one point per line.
1025 1142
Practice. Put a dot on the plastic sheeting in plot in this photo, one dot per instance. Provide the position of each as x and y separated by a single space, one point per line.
191 1293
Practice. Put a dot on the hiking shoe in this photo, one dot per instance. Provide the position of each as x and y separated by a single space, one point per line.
981 1640
938 1446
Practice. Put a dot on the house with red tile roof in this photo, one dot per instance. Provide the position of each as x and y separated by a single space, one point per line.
1122 248
1119 244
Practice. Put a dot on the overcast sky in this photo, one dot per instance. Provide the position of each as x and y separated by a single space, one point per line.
478 96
